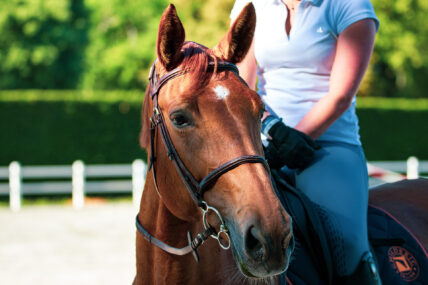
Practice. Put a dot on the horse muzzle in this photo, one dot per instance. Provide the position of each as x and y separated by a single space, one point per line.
260 253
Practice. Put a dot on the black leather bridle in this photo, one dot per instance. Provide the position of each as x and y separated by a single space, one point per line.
196 189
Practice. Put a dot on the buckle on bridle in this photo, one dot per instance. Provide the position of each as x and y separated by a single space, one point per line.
155 118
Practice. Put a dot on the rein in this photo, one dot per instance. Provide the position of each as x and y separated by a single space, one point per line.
196 189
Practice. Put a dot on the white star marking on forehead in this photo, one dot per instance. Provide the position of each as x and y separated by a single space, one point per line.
221 92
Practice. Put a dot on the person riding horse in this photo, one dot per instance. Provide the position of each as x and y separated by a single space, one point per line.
196 103
310 57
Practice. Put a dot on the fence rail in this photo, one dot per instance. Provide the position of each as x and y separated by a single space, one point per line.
79 179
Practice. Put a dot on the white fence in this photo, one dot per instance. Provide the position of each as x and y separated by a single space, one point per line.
79 179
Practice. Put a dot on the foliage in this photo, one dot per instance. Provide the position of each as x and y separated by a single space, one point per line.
400 60
83 96
123 37
403 104
122 41
206 21
98 44
41 43
58 127
43 128
391 134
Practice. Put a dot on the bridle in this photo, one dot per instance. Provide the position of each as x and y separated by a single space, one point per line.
196 189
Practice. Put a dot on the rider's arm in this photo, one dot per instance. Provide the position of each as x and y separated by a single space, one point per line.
353 52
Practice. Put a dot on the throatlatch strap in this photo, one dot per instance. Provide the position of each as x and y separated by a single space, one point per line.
191 247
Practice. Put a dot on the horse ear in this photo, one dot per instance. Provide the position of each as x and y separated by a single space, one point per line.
170 38
235 44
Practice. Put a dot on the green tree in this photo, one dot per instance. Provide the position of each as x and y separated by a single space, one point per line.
206 21
123 37
42 43
400 60
122 43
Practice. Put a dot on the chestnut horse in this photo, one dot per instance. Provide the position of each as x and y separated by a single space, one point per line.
201 128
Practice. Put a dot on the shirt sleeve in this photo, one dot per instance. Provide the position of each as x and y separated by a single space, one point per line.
351 11
237 8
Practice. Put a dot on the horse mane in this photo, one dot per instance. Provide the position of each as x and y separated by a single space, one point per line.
195 58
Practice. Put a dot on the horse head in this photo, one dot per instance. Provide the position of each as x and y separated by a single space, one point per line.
212 117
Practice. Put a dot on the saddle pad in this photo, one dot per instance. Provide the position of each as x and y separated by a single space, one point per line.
400 256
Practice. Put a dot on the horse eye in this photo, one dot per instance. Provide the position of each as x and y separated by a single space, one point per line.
180 120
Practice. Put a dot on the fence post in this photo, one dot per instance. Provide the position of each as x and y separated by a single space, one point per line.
138 173
15 182
412 168
78 183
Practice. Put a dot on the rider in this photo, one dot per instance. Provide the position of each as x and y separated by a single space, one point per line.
310 57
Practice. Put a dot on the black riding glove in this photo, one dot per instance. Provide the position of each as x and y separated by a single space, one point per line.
287 146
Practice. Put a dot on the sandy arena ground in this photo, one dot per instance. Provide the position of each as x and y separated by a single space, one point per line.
50 245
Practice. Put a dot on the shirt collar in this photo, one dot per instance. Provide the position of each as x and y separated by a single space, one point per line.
313 2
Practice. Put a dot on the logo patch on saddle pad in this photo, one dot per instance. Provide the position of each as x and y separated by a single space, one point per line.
404 263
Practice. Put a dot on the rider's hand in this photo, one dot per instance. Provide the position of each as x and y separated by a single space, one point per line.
289 147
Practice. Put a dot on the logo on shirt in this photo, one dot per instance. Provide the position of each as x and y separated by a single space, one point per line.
320 30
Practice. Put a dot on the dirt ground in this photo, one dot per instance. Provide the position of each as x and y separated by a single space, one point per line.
55 244
59 245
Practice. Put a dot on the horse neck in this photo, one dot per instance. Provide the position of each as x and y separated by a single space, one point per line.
155 215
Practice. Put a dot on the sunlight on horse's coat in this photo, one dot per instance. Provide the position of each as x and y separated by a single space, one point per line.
222 92
260 234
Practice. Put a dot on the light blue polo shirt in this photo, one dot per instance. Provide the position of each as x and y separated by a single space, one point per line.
294 70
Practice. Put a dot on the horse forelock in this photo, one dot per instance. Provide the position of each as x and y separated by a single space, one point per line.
195 59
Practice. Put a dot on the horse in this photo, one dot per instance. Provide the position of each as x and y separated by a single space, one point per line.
207 174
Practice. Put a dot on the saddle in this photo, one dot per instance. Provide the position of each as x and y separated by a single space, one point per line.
401 258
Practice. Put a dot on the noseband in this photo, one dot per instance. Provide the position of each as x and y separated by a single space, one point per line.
196 189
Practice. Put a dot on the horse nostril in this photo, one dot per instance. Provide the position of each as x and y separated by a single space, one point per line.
254 244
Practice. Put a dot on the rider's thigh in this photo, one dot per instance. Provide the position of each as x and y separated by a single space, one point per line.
337 180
